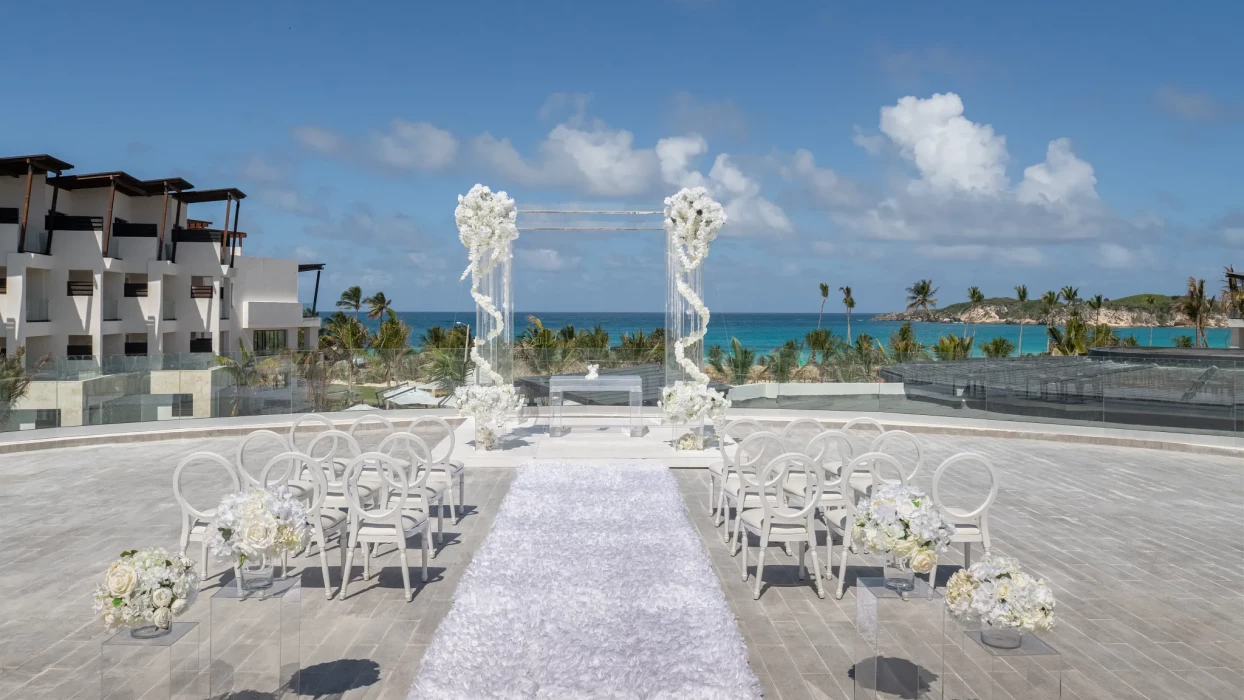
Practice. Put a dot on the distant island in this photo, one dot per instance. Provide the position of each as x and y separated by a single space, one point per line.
1138 310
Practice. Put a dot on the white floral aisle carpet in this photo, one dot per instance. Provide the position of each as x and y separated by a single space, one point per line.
592 584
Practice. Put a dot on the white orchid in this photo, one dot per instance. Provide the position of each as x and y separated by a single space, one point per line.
687 402
486 227
146 587
692 220
903 521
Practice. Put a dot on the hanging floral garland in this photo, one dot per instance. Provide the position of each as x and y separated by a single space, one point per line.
692 220
486 227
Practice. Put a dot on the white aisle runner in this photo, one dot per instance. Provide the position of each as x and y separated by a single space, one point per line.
592 584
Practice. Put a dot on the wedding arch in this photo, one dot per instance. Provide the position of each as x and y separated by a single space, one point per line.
487 226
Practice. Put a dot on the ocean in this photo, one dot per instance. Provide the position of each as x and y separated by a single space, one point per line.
766 331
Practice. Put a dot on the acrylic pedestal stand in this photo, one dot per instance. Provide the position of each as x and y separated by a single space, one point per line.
159 668
254 641
899 641
977 671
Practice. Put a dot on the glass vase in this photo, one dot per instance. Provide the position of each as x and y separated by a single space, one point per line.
257 574
149 631
485 437
1005 638
898 573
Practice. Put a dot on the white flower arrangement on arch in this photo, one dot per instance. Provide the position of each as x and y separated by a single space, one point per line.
692 221
259 524
997 593
486 226
489 406
688 402
903 522
146 587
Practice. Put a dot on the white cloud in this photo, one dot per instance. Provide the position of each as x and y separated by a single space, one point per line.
1062 178
826 186
748 212
692 113
1195 106
262 171
406 146
953 252
559 102
428 262
413 146
950 151
1115 256
372 278
873 143
293 202
305 253
546 259
1025 256
597 160
676 154
361 225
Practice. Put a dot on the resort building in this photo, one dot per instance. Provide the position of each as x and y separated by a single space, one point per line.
108 274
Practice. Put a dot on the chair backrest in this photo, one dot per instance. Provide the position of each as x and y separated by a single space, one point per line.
434 446
258 437
873 461
756 451
333 449
413 452
798 433
776 471
210 457
892 438
981 511
735 430
283 467
363 426
393 478
311 419
818 449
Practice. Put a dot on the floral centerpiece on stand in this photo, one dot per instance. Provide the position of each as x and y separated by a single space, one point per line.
144 590
692 221
904 524
486 226
998 595
489 406
254 527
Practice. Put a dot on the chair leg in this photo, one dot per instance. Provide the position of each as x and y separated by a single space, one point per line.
319 539
712 491
842 567
738 526
746 553
720 517
401 550
367 560
816 566
203 555
423 540
760 563
967 555
440 523
803 561
457 505
345 571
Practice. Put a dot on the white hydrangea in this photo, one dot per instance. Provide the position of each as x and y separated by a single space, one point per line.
259 523
488 405
687 402
692 220
997 593
145 587
903 521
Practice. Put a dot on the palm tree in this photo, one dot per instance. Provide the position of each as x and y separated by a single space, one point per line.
1095 303
1021 295
391 342
1197 306
1071 295
377 305
1072 339
1049 302
740 362
15 379
824 298
716 356
920 296
351 299
849 302
975 300
952 347
1152 302
998 347
903 344
1233 293
818 341
1183 341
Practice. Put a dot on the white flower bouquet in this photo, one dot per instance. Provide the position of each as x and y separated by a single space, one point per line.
693 219
259 524
147 587
489 406
687 402
996 593
904 523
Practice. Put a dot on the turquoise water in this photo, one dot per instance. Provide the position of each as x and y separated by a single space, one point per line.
765 332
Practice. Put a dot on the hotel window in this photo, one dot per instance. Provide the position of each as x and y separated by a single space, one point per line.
200 341
79 346
269 342
135 284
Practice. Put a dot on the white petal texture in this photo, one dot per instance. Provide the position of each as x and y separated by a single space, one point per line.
592 584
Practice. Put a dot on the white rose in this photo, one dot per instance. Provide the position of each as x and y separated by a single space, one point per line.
162 618
179 607
905 548
923 561
260 534
1003 590
121 579
162 597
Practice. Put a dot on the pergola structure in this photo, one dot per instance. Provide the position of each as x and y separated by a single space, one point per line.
41 164
228 238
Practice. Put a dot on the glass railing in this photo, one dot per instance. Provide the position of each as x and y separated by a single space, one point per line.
37 310
1204 396
111 310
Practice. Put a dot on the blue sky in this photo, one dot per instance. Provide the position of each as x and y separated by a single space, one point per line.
987 144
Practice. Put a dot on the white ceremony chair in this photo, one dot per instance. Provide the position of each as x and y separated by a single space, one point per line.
798 433
392 522
332 450
889 442
327 524
820 450
864 430
417 458
368 430
971 526
446 471
275 444
302 442
743 488
841 521
772 522
195 522
734 431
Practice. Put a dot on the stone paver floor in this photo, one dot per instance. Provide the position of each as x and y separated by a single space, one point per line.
1144 548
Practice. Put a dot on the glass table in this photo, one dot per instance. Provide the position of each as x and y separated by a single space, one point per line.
253 644
629 384
899 641
152 668
1032 671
